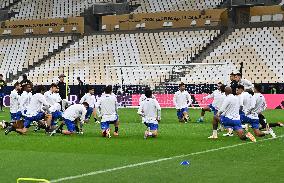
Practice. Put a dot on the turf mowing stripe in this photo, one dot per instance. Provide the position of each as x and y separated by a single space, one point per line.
155 161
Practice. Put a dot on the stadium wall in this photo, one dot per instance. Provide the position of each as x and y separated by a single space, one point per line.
179 19
130 97
41 26
274 101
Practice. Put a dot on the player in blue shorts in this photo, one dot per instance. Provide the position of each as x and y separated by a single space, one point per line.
150 111
182 100
107 110
251 115
34 110
228 115
91 100
14 102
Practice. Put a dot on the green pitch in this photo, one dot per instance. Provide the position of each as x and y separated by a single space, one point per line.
40 156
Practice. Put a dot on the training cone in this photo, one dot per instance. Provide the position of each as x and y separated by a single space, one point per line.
186 163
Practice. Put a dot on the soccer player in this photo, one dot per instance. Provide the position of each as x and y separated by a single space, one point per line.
72 116
229 116
107 110
14 102
91 100
150 111
143 98
182 100
218 96
14 106
54 112
245 99
25 98
34 111
257 105
246 83
2 94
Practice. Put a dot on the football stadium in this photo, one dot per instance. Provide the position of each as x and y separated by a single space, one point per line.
141 91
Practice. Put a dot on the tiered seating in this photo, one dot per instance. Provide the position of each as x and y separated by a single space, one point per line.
173 5
17 54
6 3
260 49
88 57
41 9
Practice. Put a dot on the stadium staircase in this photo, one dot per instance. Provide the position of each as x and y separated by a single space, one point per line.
75 38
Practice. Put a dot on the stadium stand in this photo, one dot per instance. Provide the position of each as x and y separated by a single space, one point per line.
87 57
18 54
260 49
6 3
172 5
41 9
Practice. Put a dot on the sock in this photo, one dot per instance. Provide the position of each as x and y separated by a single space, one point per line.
215 133
243 126
76 128
273 124
150 133
230 130
243 137
60 128
116 129
201 117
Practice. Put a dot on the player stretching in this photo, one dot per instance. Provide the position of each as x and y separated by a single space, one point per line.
256 107
25 98
218 97
72 116
107 110
90 99
143 98
14 106
14 102
182 100
150 111
229 116
34 111
246 83
54 112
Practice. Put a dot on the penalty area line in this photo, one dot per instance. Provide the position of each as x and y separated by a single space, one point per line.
156 161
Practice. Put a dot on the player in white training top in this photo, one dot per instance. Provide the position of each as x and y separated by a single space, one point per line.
182 100
229 116
218 98
15 112
150 111
14 102
107 109
34 110
91 100
256 106
25 98
143 98
246 83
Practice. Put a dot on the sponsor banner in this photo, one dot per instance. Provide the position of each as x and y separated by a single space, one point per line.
274 101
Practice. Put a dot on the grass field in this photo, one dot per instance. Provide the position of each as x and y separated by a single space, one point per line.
40 156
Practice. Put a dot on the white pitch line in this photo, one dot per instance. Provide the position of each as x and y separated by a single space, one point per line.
154 161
